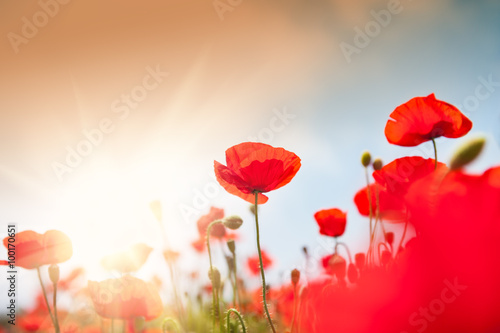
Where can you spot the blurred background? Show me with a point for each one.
(107, 106)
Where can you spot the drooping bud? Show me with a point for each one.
(304, 249)
(54, 273)
(366, 158)
(231, 245)
(377, 164)
(214, 276)
(359, 258)
(295, 275)
(232, 222)
(156, 209)
(352, 273)
(467, 153)
(389, 237)
(252, 209)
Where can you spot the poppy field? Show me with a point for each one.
(440, 274)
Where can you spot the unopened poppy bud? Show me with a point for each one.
(359, 258)
(232, 222)
(467, 153)
(377, 164)
(352, 273)
(389, 237)
(214, 276)
(252, 209)
(54, 273)
(304, 249)
(295, 276)
(231, 246)
(366, 158)
(139, 323)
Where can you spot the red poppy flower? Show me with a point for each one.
(391, 208)
(198, 245)
(253, 263)
(335, 265)
(125, 298)
(256, 167)
(331, 222)
(34, 249)
(218, 230)
(425, 118)
(127, 261)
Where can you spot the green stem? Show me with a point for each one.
(228, 317)
(172, 321)
(236, 295)
(261, 264)
(435, 154)
(45, 295)
(56, 319)
(345, 247)
(214, 298)
(370, 213)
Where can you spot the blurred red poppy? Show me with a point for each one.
(253, 263)
(125, 298)
(398, 175)
(218, 230)
(391, 207)
(256, 167)
(331, 222)
(34, 249)
(128, 261)
(425, 118)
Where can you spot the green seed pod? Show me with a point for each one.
(366, 158)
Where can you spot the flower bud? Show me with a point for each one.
(214, 276)
(389, 237)
(386, 257)
(54, 273)
(295, 276)
(252, 209)
(366, 158)
(377, 164)
(232, 222)
(139, 323)
(231, 246)
(304, 249)
(467, 153)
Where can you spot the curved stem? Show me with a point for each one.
(214, 297)
(261, 264)
(239, 318)
(54, 302)
(171, 321)
(345, 247)
(435, 154)
(45, 296)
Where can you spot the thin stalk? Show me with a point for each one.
(236, 295)
(345, 247)
(370, 212)
(261, 264)
(404, 234)
(239, 318)
(435, 154)
(45, 296)
(214, 298)
(54, 302)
